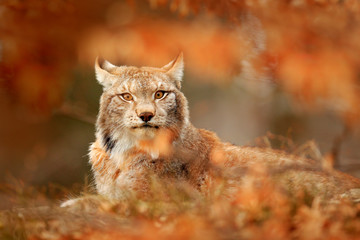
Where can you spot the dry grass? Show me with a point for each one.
(257, 208)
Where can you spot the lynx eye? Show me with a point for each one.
(160, 94)
(126, 96)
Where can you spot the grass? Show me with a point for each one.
(256, 207)
(257, 210)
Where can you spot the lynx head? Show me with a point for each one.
(137, 103)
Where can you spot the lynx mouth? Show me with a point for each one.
(144, 126)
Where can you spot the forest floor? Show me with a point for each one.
(257, 208)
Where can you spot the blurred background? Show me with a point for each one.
(289, 68)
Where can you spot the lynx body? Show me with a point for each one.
(143, 128)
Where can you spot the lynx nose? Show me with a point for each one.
(146, 116)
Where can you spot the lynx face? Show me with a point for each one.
(137, 103)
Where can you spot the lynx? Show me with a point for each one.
(143, 128)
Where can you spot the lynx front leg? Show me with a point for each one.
(105, 170)
(99, 159)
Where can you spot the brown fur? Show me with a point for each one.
(125, 152)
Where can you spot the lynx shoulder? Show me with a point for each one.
(143, 128)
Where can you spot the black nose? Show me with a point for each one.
(146, 116)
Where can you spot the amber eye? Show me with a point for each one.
(159, 94)
(126, 96)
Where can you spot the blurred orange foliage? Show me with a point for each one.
(309, 46)
(212, 50)
(259, 209)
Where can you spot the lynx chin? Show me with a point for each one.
(143, 129)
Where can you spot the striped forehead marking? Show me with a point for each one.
(138, 85)
(124, 86)
(136, 81)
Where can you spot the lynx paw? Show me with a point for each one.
(89, 203)
(70, 202)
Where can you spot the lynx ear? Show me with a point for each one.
(103, 70)
(175, 68)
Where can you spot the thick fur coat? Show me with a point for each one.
(143, 129)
